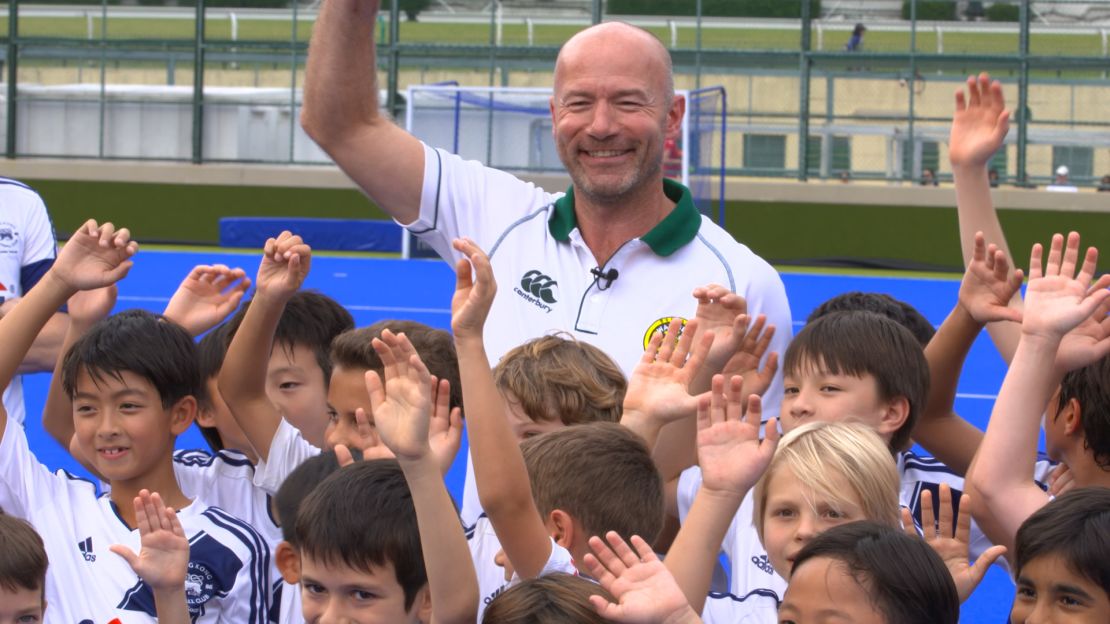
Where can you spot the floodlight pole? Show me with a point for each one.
(392, 73)
(1023, 92)
(595, 12)
(805, 69)
(13, 75)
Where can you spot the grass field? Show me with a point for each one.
(1078, 44)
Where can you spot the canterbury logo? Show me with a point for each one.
(539, 285)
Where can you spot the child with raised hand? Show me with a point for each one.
(979, 127)
(23, 566)
(1064, 329)
(644, 589)
(133, 381)
(163, 561)
(402, 406)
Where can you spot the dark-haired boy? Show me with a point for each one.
(543, 499)
(133, 380)
(23, 566)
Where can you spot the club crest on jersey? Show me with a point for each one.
(660, 327)
(537, 289)
(200, 586)
(9, 236)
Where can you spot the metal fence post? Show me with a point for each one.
(915, 159)
(805, 66)
(198, 86)
(1023, 93)
(595, 12)
(13, 75)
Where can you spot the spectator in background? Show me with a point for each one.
(928, 177)
(855, 43)
(845, 177)
(1104, 184)
(992, 176)
(1062, 184)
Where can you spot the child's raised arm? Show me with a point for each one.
(732, 458)
(207, 296)
(95, 256)
(644, 588)
(242, 380)
(987, 287)
(979, 127)
(1057, 300)
(402, 408)
(499, 470)
(163, 561)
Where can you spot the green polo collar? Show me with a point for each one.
(668, 236)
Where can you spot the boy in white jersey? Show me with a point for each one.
(133, 381)
(22, 572)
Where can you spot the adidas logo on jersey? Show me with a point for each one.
(85, 546)
(537, 289)
(763, 563)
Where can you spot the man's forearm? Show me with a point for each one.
(47, 345)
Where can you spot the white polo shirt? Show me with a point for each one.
(543, 267)
(27, 251)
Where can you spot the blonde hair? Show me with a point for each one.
(818, 452)
(559, 379)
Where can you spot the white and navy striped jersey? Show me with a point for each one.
(229, 568)
(723, 608)
(27, 251)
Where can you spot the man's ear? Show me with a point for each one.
(675, 116)
(1072, 413)
(182, 414)
(288, 562)
(895, 413)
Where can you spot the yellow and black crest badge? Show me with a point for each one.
(660, 327)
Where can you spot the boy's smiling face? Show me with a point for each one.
(338, 593)
(1049, 591)
(121, 425)
(813, 393)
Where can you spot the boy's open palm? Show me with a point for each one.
(402, 405)
(95, 256)
(1057, 299)
(730, 453)
(660, 383)
(644, 588)
(285, 264)
(754, 342)
(980, 122)
(474, 290)
(988, 285)
(164, 558)
(207, 296)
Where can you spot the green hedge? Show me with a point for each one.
(1003, 12)
(933, 10)
(713, 8)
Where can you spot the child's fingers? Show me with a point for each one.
(907, 523)
(621, 549)
(156, 512)
(767, 333)
(670, 339)
(700, 351)
(973, 91)
(141, 520)
(375, 389)
(685, 341)
(963, 520)
(127, 554)
(704, 407)
(979, 569)
(1035, 254)
(603, 607)
(928, 518)
(717, 400)
(605, 556)
(772, 365)
(174, 523)
(944, 524)
(643, 549)
(597, 570)
(343, 455)
(1055, 254)
(961, 100)
(1090, 265)
(754, 411)
(771, 435)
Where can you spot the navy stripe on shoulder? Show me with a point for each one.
(439, 184)
(260, 559)
(11, 182)
(756, 593)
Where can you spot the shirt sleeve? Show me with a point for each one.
(25, 484)
(39, 246)
(288, 450)
(466, 198)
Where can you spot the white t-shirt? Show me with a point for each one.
(723, 608)
(752, 576)
(544, 270)
(229, 569)
(484, 546)
(27, 251)
(288, 450)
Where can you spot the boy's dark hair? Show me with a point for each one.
(865, 343)
(559, 379)
(310, 318)
(210, 354)
(905, 578)
(299, 484)
(23, 560)
(141, 342)
(550, 599)
(880, 303)
(1090, 387)
(352, 349)
(1074, 527)
(601, 474)
(361, 517)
